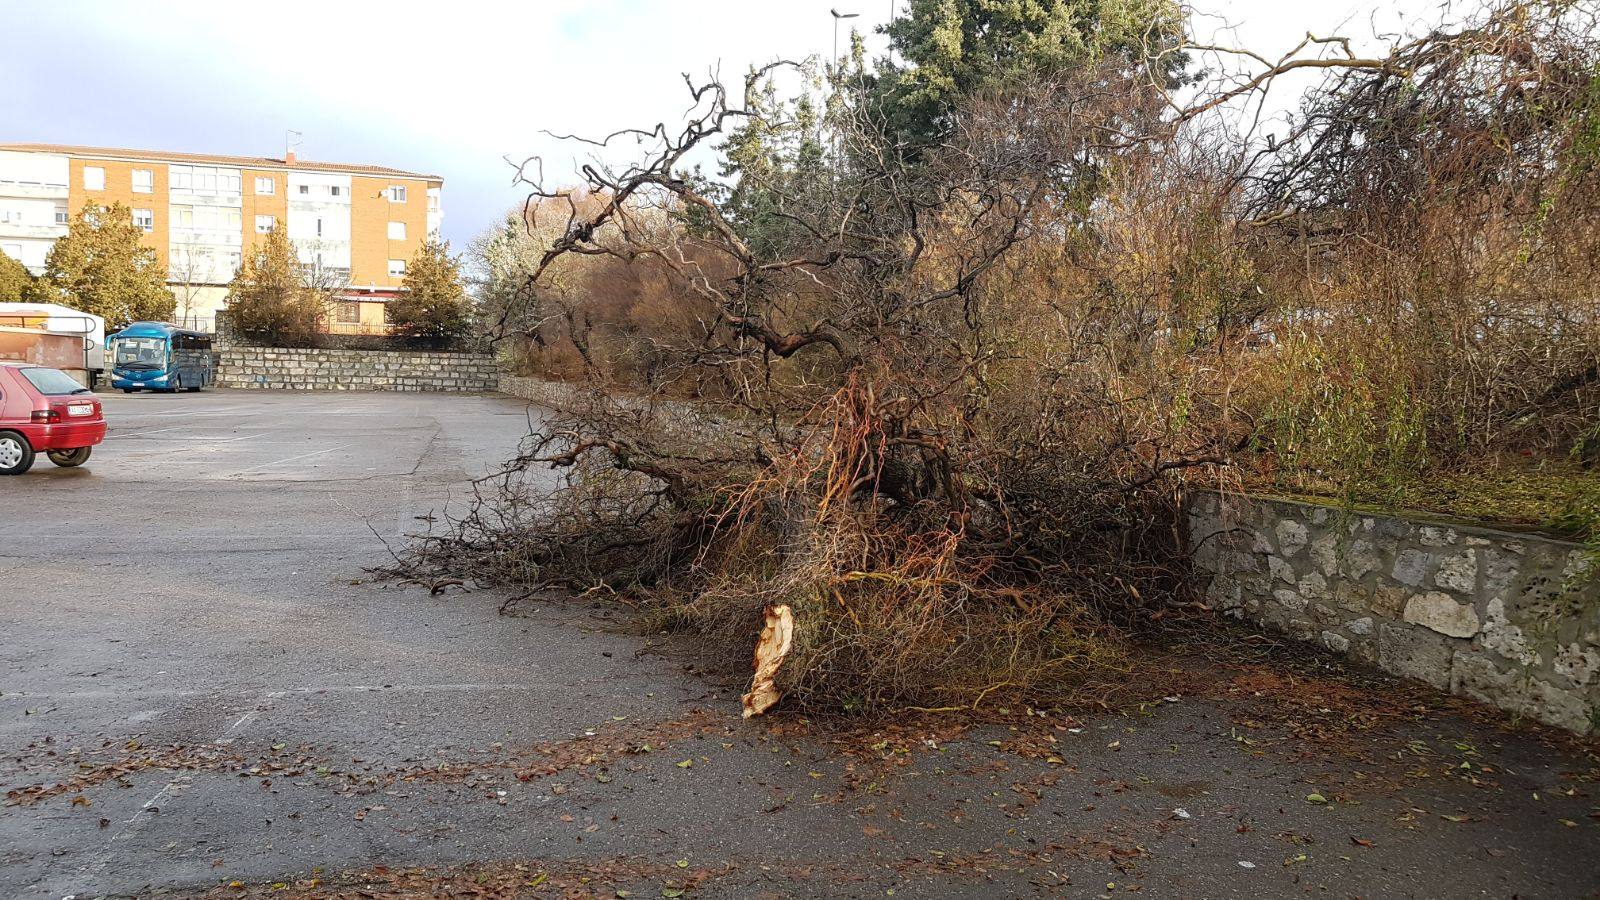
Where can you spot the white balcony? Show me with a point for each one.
(33, 190)
(40, 232)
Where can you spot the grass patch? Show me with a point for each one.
(1556, 498)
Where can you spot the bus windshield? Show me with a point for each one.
(143, 353)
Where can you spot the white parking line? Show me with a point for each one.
(135, 822)
(291, 459)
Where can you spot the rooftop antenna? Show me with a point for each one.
(291, 140)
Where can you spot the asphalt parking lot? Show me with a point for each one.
(202, 689)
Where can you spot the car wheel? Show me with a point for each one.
(67, 459)
(16, 456)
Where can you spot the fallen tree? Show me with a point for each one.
(940, 393)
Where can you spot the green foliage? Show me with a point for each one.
(269, 299)
(16, 283)
(102, 267)
(434, 304)
(958, 48)
(1329, 411)
(775, 163)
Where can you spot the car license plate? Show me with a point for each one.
(80, 410)
(138, 384)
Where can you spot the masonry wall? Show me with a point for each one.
(539, 390)
(270, 368)
(1508, 619)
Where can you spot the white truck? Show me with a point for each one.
(26, 327)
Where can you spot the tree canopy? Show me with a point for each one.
(102, 267)
(435, 303)
(952, 49)
(16, 283)
(269, 297)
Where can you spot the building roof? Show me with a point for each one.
(243, 162)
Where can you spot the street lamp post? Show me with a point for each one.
(836, 17)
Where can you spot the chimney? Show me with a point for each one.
(288, 156)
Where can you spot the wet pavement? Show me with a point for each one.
(202, 689)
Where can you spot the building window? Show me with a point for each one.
(61, 215)
(265, 224)
(397, 231)
(145, 219)
(143, 181)
(305, 189)
(265, 185)
(397, 268)
(94, 178)
(397, 193)
(10, 216)
(347, 312)
(334, 190)
(433, 199)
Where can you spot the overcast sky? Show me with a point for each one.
(448, 88)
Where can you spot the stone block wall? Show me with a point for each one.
(539, 390)
(276, 368)
(1508, 619)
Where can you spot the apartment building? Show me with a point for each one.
(354, 227)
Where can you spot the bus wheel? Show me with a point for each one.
(16, 456)
(176, 384)
(67, 459)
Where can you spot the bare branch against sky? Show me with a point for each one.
(455, 89)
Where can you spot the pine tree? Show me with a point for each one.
(957, 48)
(269, 300)
(16, 283)
(434, 304)
(774, 164)
(101, 267)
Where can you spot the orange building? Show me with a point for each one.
(354, 227)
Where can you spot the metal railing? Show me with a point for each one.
(358, 328)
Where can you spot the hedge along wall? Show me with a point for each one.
(1508, 619)
(273, 368)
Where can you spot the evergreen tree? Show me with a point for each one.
(101, 267)
(434, 304)
(269, 299)
(16, 283)
(957, 48)
(774, 164)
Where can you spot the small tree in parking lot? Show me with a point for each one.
(434, 304)
(269, 298)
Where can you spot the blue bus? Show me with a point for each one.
(156, 356)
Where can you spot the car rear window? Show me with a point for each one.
(52, 382)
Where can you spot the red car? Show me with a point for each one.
(43, 409)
